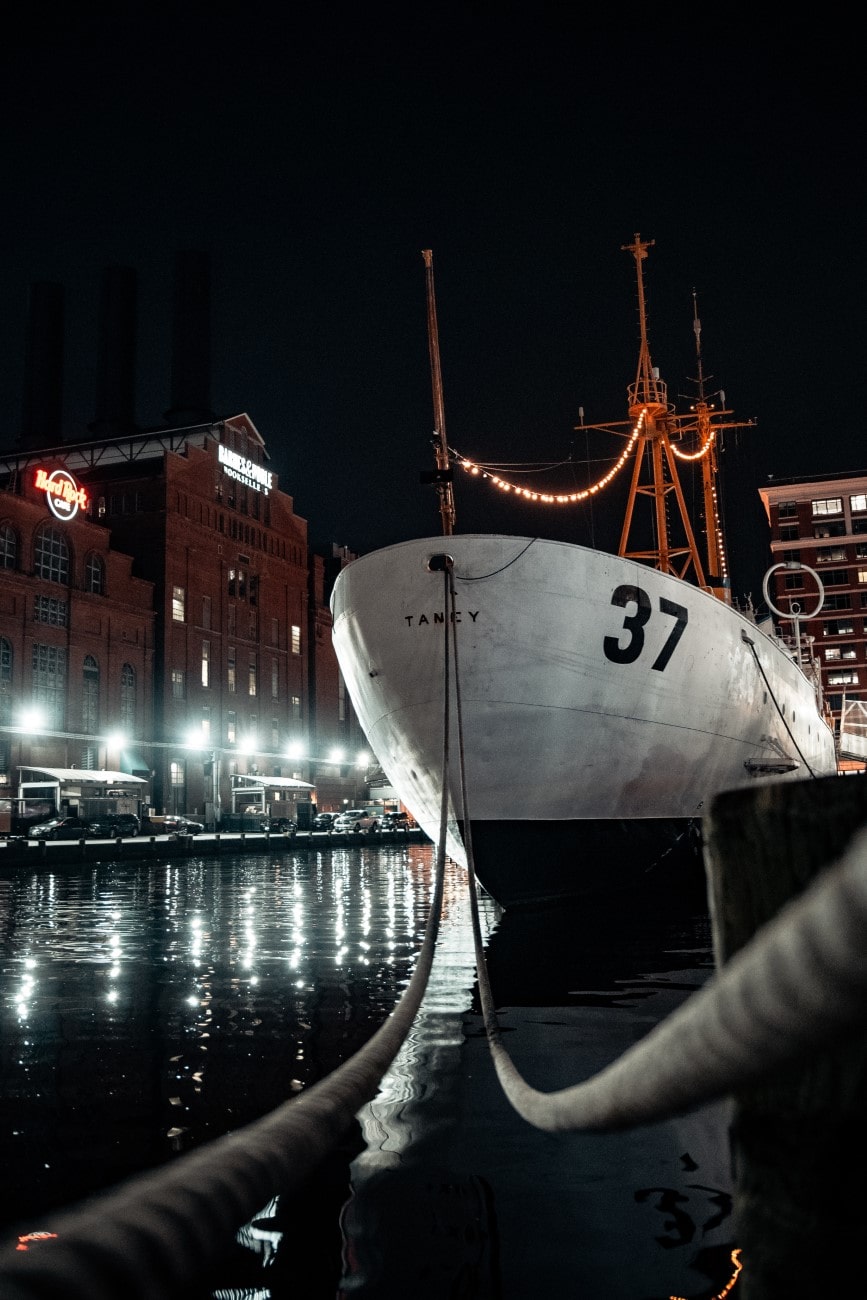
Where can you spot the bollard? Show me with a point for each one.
(799, 1137)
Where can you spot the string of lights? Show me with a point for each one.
(554, 498)
(696, 455)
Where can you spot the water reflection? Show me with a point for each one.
(197, 996)
(455, 1195)
(148, 1008)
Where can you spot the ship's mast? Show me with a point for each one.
(650, 411)
(443, 475)
(707, 431)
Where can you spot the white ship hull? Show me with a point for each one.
(603, 704)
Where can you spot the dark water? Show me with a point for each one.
(148, 1008)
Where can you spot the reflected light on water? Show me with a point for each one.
(185, 987)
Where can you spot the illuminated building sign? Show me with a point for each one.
(244, 470)
(65, 498)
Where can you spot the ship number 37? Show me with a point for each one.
(634, 624)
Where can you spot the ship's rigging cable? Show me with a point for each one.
(800, 983)
(776, 703)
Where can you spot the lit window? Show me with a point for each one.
(48, 609)
(858, 502)
(829, 506)
(296, 639)
(127, 698)
(179, 598)
(94, 575)
(5, 681)
(90, 696)
(231, 727)
(833, 652)
(251, 677)
(51, 555)
(8, 547)
(178, 683)
(49, 681)
(846, 678)
(206, 663)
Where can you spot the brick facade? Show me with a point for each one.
(211, 596)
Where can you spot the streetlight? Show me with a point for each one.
(115, 743)
(31, 719)
(199, 740)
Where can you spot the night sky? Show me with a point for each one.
(313, 159)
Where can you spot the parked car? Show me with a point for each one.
(324, 821)
(187, 826)
(172, 824)
(112, 825)
(395, 821)
(60, 828)
(356, 819)
(280, 825)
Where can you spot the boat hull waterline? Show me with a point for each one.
(604, 704)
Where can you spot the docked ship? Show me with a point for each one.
(561, 715)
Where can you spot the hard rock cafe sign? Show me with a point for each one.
(64, 496)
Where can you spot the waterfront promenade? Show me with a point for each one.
(204, 845)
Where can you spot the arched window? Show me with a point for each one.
(127, 699)
(5, 681)
(8, 547)
(49, 682)
(178, 783)
(51, 554)
(94, 575)
(90, 696)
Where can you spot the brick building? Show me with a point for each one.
(179, 603)
(76, 630)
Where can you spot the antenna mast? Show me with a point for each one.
(650, 410)
(443, 476)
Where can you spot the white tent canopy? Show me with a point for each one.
(78, 776)
(274, 782)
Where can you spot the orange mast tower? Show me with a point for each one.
(660, 429)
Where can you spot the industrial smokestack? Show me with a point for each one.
(115, 394)
(191, 342)
(43, 368)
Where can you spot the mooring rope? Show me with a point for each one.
(795, 986)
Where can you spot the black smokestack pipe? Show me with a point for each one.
(43, 368)
(191, 342)
(115, 385)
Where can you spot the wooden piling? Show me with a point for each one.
(799, 1138)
